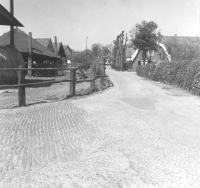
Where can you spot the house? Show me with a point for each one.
(160, 55)
(59, 50)
(68, 53)
(40, 55)
(182, 47)
(47, 42)
(129, 54)
(6, 18)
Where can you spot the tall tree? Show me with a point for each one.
(145, 37)
(110, 47)
(96, 49)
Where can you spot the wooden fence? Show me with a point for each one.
(22, 85)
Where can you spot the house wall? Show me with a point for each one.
(158, 56)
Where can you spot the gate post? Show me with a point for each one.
(72, 83)
(92, 83)
(21, 89)
(103, 74)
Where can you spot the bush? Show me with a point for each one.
(183, 74)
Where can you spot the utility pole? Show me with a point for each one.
(199, 32)
(86, 50)
(11, 27)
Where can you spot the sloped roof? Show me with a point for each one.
(68, 51)
(129, 52)
(67, 47)
(160, 45)
(44, 41)
(47, 43)
(21, 41)
(60, 49)
(6, 18)
(179, 38)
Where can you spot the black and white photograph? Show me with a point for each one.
(99, 93)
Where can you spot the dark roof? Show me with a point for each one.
(44, 41)
(6, 18)
(47, 43)
(21, 42)
(60, 49)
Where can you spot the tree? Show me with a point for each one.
(105, 51)
(96, 49)
(145, 37)
(110, 47)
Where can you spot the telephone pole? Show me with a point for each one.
(86, 50)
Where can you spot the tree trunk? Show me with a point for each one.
(144, 55)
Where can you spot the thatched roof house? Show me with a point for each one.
(182, 47)
(6, 18)
(21, 41)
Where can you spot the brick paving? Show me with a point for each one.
(35, 137)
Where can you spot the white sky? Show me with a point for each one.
(102, 20)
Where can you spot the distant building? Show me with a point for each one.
(41, 56)
(47, 42)
(129, 52)
(61, 53)
(182, 47)
(160, 55)
(68, 53)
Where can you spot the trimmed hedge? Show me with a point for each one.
(182, 74)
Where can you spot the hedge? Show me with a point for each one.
(185, 74)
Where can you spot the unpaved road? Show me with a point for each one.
(151, 135)
(138, 133)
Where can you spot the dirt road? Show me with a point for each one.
(151, 134)
(138, 133)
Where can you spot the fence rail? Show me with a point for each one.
(73, 81)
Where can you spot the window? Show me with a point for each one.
(139, 62)
(150, 52)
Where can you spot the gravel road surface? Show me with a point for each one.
(138, 133)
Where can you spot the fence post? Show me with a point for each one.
(102, 78)
(92, 83)
(72, 83)
(21, 89)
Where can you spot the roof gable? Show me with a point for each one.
(160, 45)
(68, 50)
(60, 49)
(47, 43)
(21, 41)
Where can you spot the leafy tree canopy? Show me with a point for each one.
(145, 36)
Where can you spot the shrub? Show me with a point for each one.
(183, 74)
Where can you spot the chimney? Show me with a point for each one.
(55, 39)
(11, 27)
